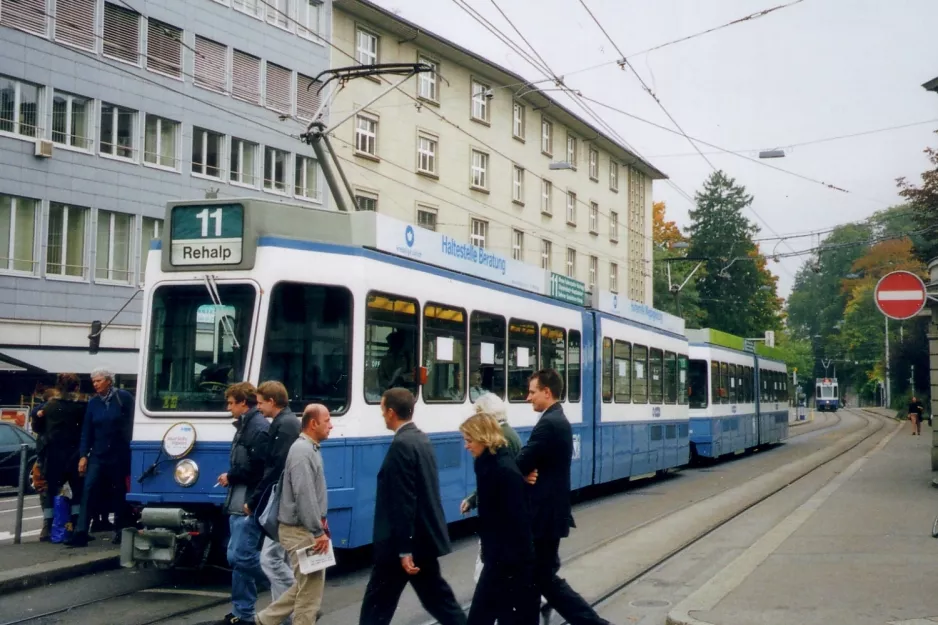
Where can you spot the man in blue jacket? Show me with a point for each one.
(104, 454)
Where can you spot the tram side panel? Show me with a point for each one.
(723, 416)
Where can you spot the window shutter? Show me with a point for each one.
(164, 48)
(74, 22)
(307, 96)
(246, 77)
(211, 64)
(279, 80)
(27, 15)
(121, 33)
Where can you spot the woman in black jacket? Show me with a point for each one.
(505, 591)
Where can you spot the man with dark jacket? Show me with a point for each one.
(410, 529)
(248, 450)
(274, 403)
(549, 451)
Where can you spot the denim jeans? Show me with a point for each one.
(277, 567)
(105, 489)
(245, 562)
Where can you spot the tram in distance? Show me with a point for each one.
(826, 394)
(341, 306)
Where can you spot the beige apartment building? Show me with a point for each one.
(467, 151)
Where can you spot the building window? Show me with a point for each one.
(427, 85)
(28, 15)
(121, 34)
(19, 107)
(480, 168)
(251, 7)
(613, 175)
(547, 137)
(614, 277)
(594, 164)
(571, 208)
(207, 148)
(164, 48)
(517, 245)
(426, 154)
(594, 218)
(159, 141)
(65, 255)
(479, 232)
(279, 86)
(112, 248)
(71, 120)
(613, 226)
(246, 77)
(211, 65)
(306, 180)
(571, 262)
(480, 101)
(150, 229)
(366, 47)
(243, 159)
(366, 135)
(571, 150)
(275, 169)
(547, 193)
(547, 253)
(366, 201)
(18, 233)
(517, 120)
(309, 18)
(517, 184)
(307, 97)
(426, 217)
(118, 134)
(594, 269)
(74, 23)
(278, 13)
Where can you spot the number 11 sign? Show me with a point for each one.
(207, 235)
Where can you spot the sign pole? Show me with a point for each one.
(888, 389)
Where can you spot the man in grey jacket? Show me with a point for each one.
(302, 517)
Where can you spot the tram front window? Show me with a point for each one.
(197, 348)
(697, 383)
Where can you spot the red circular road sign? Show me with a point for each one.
(900, 295)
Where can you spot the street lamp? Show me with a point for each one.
(772, 154)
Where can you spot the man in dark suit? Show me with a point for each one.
(549, 452)
(410, 529)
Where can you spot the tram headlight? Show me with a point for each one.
(186, 472)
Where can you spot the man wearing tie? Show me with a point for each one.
(410, 529)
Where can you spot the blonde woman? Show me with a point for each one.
(505, 590)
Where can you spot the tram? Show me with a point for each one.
(826, 394)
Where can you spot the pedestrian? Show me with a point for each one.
(37, 427)
(549, 452)
(59, 425)
(302, 520)
(273, 403)
(916, 411)
(409, 528)
(104, 455)
(248, 450)
(505, 590)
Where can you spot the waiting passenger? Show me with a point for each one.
(397, 365)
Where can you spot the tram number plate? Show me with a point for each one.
(207, 235)
(656, 411)
(576, 446)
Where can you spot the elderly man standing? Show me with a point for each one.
(104, 454)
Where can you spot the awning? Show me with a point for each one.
(66, 360)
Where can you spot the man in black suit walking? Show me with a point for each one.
(549, 451)
(410, 529)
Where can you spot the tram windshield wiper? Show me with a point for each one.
(212, 289)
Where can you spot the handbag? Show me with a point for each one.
(61, 519)
(269, 511)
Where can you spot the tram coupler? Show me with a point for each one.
(165, 532)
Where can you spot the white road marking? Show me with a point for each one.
(194, 593)
(893, 296)
(9, 535)
(24, 508)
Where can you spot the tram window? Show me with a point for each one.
(486, 355)
(607, 370)
(197, 348)
(731, 376)
(724, 383)
(621, 372)
(670, 378)
(655, 376)
(683, 382)
(697, 383)
(740, 384)
(444, 353)
(391, 343)
(573, 366)
(747, 385)
(554, 353)
(522, 357)
(715, 388)
(639, 374)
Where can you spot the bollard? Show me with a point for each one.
(20, 495)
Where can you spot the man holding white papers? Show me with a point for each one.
(302, 517)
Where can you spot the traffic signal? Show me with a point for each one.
(94, 339)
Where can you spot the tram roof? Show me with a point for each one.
(718, 338)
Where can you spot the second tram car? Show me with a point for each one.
(826, 395)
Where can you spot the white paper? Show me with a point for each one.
(311, 562)
(523, 359)
(683, 376)
(488, 353)
(732, 382)
(639, 371)
(444, 349)
(623, 368)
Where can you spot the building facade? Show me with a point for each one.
(473, 151)
(108, 110)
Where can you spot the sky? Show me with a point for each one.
(814, 70)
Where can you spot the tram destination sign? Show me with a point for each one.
(209, 234)
(566, 289)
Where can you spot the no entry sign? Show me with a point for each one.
(900, 295)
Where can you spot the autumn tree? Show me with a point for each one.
(924, 202)
(663, 232)
(684, 303)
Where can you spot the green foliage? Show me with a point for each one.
(923, 201)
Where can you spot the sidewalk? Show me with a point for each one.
(859, 551)
(32, 563)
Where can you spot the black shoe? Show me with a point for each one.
(116, 538)
(231, 619)
(78, 539)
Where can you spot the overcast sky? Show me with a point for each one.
(818, 69)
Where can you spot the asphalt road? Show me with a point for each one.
(32, 517)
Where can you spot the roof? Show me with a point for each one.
(932, 85)
(433, 43)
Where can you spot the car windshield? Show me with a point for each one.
(197, 347)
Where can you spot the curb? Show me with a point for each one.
(49, 572)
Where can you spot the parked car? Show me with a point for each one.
(11, 437)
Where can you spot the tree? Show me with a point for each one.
(665, 234)
(924, 203)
